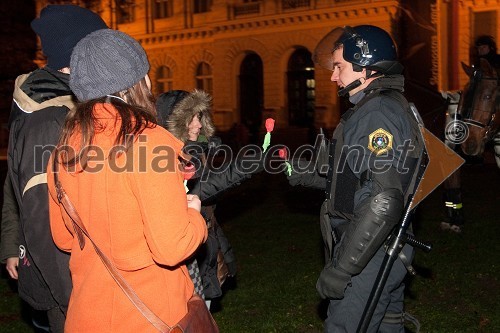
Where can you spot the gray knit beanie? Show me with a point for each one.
(106, 62)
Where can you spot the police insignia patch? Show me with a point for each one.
(380, 141)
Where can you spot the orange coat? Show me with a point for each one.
(136, 211)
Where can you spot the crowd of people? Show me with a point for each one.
(92, 111)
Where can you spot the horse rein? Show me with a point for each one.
(476, 78)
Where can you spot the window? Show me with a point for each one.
(246, 7)
(291, 4)
(163, 80)
(301, 88)
(125, 11)
(252, 94)
(202, 6)
(204, 77)
(163, 9)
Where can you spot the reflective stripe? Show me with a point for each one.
(35, 180)
(401, 318)
(394, 318)
(453, 205)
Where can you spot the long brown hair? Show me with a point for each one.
(136, 114)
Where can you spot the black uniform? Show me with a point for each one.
(373, 158)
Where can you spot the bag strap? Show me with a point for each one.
(80, 231)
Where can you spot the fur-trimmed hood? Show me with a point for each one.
(177, 108)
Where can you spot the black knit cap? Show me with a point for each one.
(485, 40)
(61, 27)
(165, 104)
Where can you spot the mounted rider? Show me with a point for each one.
(486, 48)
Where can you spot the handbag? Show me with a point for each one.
(222, 269)
(198, 317)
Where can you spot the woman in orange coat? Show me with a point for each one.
(121, 172)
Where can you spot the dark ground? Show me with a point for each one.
(273, 228)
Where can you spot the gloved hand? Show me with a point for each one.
(332, 282)
(300, 168)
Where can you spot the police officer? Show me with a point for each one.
(487, 48)
(372, 162)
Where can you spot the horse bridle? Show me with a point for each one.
(466, 117)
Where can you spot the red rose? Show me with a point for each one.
(283, 153)
(189, 171)
(269, 124)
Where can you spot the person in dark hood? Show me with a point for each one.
(367, 176)
(486, 48)
(187, 115)
(41, 101)
(190, 119)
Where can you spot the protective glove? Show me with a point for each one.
(332, 282)
(300, 169)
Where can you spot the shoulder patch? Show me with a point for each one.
(380, 141)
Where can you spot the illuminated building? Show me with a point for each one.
(254, 57)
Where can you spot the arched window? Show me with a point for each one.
(252, 94)
(301, 88)
(163, 80)
(204, 77)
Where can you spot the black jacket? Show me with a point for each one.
(213, 178)
(207, 185)
(41, 101)
(361, 122)
(9, 242)
(176, 110)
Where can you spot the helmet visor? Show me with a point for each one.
(323, 53)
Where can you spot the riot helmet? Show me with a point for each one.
(364, 46)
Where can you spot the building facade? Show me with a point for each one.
(254, 56)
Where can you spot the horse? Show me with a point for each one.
(471, 122)
(479, 108)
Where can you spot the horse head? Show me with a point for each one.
(479, 107)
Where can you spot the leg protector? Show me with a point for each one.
(454, 211)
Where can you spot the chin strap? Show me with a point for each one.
(344, 91)
(353, 85)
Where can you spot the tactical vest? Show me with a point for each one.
(340, 190)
